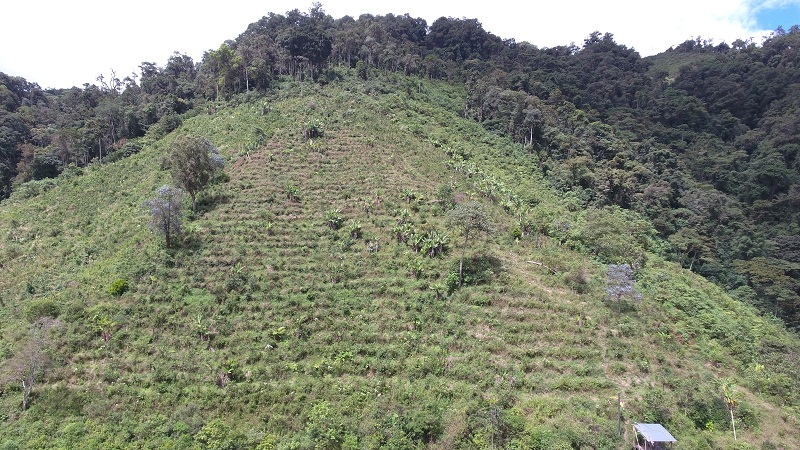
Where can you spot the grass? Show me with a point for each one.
(296, 333)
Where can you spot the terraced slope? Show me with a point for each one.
(269, 326)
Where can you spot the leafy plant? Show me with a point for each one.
(312, 129)
(333, 218)
(105, 325)
(416, 268)
(409, 195)
(354, 229)
(434, 243)
(292, 193)
(118, 287)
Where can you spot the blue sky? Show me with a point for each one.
(784, 14)
(59, 43)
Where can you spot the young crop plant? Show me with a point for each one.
(434, 243)
(333, 218)
(312, 129)
(416, 268)
(409, 195)
(105, 326)
(292, 193)
(354, 229)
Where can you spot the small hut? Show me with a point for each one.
(651, 436)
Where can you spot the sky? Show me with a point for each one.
(59, 43)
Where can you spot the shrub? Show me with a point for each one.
(46, 307)
(451, 283)
(33, 188)
(118, 287)
(218, 435)
(578, 279)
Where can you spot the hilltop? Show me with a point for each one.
(294, 315)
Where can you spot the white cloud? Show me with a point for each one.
(60, 44)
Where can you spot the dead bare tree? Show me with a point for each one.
(31, 360)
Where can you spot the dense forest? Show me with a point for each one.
(702, 139)
(376, 232)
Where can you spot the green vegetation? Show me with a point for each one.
(193, 162)
(269, 326)
(166, 210)
(467, 217)
(320, 294)
(118, 287)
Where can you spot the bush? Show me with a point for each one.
(167, 123)
(41, 308)
(130, 148)
(451, 283)
(578, 279)
(218, 435)
(33, 188)
(118, 287)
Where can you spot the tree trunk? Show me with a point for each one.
(461, 262)
(26, 392)
(733, 425)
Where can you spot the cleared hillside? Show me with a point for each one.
(268, 326)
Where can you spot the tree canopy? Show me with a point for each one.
(468, 217)
(193, 161)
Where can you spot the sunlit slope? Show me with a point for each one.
(291, 314)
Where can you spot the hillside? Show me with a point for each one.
(702, 139)
(268, 327)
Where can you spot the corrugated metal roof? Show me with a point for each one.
(654, 432)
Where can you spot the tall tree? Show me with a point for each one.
(308, 37)
(468, 217)
(193, 161)
(165, 212)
